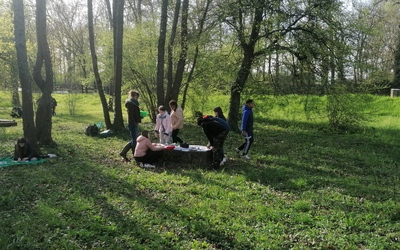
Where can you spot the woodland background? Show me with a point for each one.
(193, 49)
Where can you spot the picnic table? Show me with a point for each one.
(195, 154)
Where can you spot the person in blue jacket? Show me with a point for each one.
(247, 129)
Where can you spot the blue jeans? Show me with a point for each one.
(134, 131)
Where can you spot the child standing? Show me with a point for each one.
(163, 127)
(176, 120)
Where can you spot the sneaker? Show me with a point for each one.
(148, 166)
(223, 160)
(124, 158)
(239, 152)
(246, 157)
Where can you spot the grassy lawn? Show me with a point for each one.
(302, 189)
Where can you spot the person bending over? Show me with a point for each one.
(216, 134)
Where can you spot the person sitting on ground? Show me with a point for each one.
(23, 151)
(163, 127)
(216, 134)
(146, 154)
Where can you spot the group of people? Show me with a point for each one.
(168, 126)
(216, 129)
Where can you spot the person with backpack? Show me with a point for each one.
(134, 118)
(216, 133)
(219, 115)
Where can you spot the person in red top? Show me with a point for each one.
(146, 154)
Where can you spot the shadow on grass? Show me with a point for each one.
(304, 159)
(78, 205)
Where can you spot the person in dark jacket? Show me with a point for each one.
(23, 151)
(216, 134)
(132, 107)
(247, 129)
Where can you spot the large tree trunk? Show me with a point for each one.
(25, 79)
(170, 49)
(396, 69)
(184, 48)
(237, 87)
(244, 70)
(118, 41)
(44, 112)
(161, 52)
(99, 84)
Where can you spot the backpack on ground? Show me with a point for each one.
(92, 130)
(16, 112)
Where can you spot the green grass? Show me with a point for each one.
(303, 188)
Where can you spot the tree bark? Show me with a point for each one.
(183, 55)
(44, 112)
(248, 48)
(161, 52)
(99, 83)
(396, 66)
(24, 76)
(118, 42)
(170, 67)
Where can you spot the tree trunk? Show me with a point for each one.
(396, 69)
(237, 87)
(109, 12)
(99, 84)
(244, 70)
(184, 48)
(170, 49)
(44, 112)
(161, 52)
(23, 69)
(118, 42)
